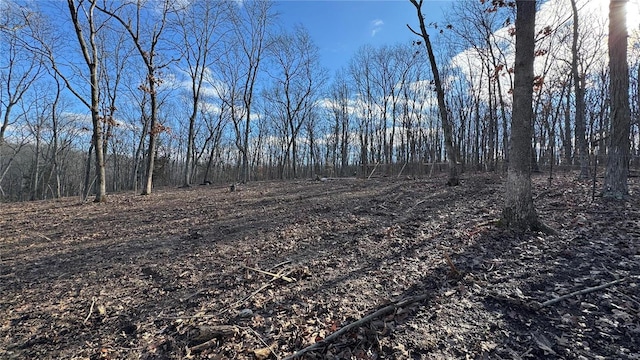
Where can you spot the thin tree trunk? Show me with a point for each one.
(87, 174)
(91, 57)
(568, 147)
(454, 178)
(578, 83)
(36, 165)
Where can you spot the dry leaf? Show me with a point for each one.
(543, 343)
(263, 353)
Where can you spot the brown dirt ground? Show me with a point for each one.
(175, 275)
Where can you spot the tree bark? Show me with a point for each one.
(519, 212)
(615, 181)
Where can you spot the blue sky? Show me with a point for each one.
(339, 28)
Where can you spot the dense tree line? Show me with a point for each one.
(100, 96)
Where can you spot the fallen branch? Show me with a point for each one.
(205, 345)
(372, 171)
(206, 333)
(581, 292)
(211, 335)
(193, 295)
(279, 264)
(382, 312)
(401, 170)
(271, 347)
(274, 276)
(43, 236)
(240, 302)
(93, 302)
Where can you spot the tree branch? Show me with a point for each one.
(581, 292)
(384, 311)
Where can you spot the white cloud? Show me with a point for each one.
(376, 26)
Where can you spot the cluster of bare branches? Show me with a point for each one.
(132, 95)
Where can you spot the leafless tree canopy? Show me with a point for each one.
(101, 96)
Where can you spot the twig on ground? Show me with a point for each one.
(270, 347)
(280, 264)
(454, 270)
(275, 276)
(239, 302)
(93, 302)
(205, 345)
(581, 292)
(372, 171)
(628, 297)
(43, 236)
(382, 312)
(401, 170)
(193, 295)
(491, 222)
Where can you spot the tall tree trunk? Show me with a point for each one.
(454, 178)
(566, 141)
(615, 180)
(55, 166)
(90, 53)
(154, 131)
(578, 83)
(190, 140)
(35, 175)
(519, 212)
(87, 174)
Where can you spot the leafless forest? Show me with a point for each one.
(101, 97)
(471, 194)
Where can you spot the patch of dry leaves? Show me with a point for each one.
(275, 267)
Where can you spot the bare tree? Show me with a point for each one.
(86, 27)
(20, 71)
(197, 25)
(519, 212)
(360, 69)
(215, 122)
(478, 23)
(244, 55)
(297, 80)
(339, 95)
(115, 61)
(579, 84)
(615, 181)
(55, 137)
(454, 178)
(82, 15)
(146, 37)
(36, 122)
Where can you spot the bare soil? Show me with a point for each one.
(265, 271)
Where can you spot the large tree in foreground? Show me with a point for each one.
(519, 212)
(615, 179)
(454, 178)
